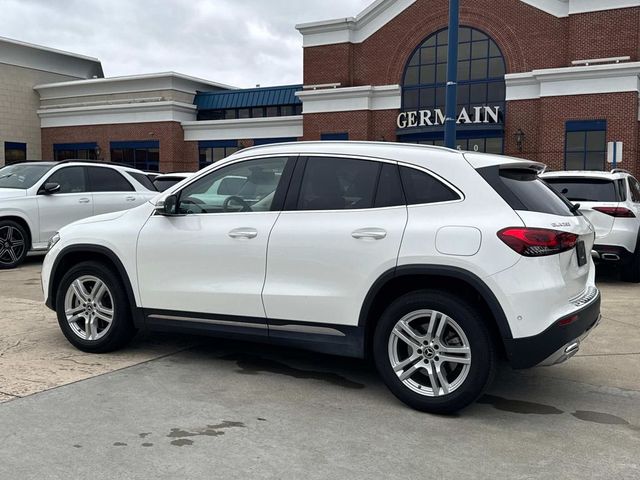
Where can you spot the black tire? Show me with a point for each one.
(14, 244)
(121, 330)
(482, 350)
(630, 272)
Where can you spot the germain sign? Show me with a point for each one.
(425, 118)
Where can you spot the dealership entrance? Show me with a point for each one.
(481, 93)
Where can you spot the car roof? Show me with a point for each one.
(406, 152)
(175, 174)
(118, 166)
(616, 175)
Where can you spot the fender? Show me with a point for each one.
(440, 271)
(33, 230)
(136, 313)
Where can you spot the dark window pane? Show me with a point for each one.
(428, 74)
(257, 112)
(105, 179)
(496, 68)
(337, 184)
(575, 141)
(442, 54)
(464, 51)
(412, 76)
(494, 51)
(286, 110)
(230, 114)
(478, 35)
(443, 37)
(463, 71)
(218, 154)
(479, 69)
(441, 96)
(411, 99)
(426, 97)
(595, 161)
(496, 92)
(415, 59)
(494, 145)
(420, 188)
(463, 94)
(117, 155)
(480, 49)
(70, 179)
(596, 141)
(464, 34)
(272, 111)
(575, 161)
(441, 73)
(479, 93)
(389, 192)
(427, 55)
(244, 113)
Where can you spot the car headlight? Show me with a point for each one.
(53, 240)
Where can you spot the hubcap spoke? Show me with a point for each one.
(432, 378)
(401, 333)
(455, 350)
(74, 310)
(79, 290)
(74, 318)
(454, 359)
(410, 371)
(405, 363)
(98, 291)
(106, 317)
(441, 378)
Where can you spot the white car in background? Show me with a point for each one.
(39, 198)
(611, 202)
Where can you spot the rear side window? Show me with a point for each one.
(585, 189)
(634, 186)
(421, 188)
(104, 179)
(338, 184)
(522, 189)
(143, 179)
(390, 193)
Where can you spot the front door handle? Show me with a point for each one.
(369, 234)
(84, 200)
(246, 233)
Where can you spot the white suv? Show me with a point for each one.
(611, 202)
(432, 260)
(39, 198)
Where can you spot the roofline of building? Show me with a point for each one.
(255, 89)
(357, 29)
(48, 49)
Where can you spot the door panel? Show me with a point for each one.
(212, 258)
(72, 201)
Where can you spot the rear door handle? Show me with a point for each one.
(130, 198)
(247, 233)
(84, 200)
(369, 233)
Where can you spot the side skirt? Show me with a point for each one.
(332, 339)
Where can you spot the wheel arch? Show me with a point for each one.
(406, 278)
(24, 223)
(74, 254)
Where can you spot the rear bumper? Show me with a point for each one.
(611, 254)
(557, 343)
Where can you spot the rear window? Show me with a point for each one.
(143, 179)
(165, 183)
(421, 188)
(585, 189)
(522, 189)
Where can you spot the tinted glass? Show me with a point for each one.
(534, 194)
(70, 179)
(143, 179)
(242, 187)
(338, 183)
(389, 192)
(635, 189)
(166, 182)
(104, 179)
(22, 176)
(421, 188)
(585, 189)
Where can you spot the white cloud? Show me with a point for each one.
(238, 42)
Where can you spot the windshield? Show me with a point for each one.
(22, 176)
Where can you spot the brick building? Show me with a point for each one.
(549, 80)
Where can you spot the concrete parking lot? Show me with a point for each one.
(178, 406)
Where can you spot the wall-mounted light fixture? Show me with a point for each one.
(519, 139)
(98, 152)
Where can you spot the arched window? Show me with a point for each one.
(481, 91)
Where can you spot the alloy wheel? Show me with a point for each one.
(12, 245)
(88, 307)
(429, 352)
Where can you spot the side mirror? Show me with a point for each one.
(168, 207)
(50, 188)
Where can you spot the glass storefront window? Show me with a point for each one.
(585, 145)
(212, 152)
(14, 152)
(143, 155)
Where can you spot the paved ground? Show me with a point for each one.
(206, 409)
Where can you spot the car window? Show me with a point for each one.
(338, 184)
(105, 179)
(162, 184)
(70, 179)
(143, 179)
(390, 192)
(635, 189)
(529, 193)
(421, 188)
(585, 189)
(248, 186)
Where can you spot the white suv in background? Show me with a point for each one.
(39, 198)
(611, 202)
(432, 260)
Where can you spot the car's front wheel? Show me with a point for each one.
(434, 351)
(93, 309)
(13, 244)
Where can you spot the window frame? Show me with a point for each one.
(584, 127)
(51, 174)
(281, 190)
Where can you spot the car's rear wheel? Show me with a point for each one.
(13, 244)
(93, 309)
(434, 351)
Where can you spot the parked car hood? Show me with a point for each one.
(12, 192)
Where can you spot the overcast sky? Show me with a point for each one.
(237, 42)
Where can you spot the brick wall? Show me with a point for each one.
(175, 153)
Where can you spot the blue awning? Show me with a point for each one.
(248, 98)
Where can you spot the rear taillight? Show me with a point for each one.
(618, 212)
(537, 242)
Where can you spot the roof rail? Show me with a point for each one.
(620, 170)
(94, 162)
